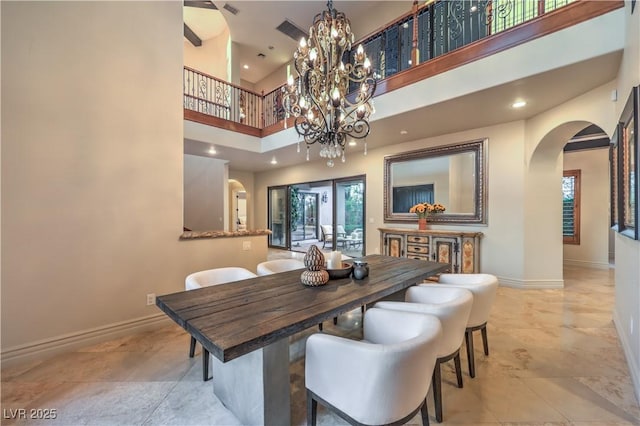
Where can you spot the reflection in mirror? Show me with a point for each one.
(238, 203)
(451, 175)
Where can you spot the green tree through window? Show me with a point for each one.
(353, 197)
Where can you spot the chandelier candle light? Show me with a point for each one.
(319, 100)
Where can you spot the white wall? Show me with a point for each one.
(593, 250)
(212, 57)
(502, 240)
(522, 242)
(204, 185)
(627, 312)
(92, 172)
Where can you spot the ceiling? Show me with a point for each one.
(253, 27)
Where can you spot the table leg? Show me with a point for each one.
(255, 386)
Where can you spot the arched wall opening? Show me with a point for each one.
(545, 252)
(238, 206)
(545, 136)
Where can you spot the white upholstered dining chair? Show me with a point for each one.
(452, 307)
(278, 265)
(484, 288)
(208, 278)
(383, 379)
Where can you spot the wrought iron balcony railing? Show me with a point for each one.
(404, 49)
(211, 96)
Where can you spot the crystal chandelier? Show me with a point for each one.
(324, 110)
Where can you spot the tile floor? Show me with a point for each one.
(555, 360)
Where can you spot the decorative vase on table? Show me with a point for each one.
(422, 223)
(315, 275)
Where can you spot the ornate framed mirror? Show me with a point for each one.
(628, 167)
(452, 175)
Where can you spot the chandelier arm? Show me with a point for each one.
(358, 130)
(310, 135)
(315, 102)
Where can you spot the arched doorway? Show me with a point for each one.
(238, 209)
(545, 250)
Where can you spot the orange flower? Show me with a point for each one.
(423, 210)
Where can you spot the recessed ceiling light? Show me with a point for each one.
(245, 66)
(353, 143)
(212, 150)
(274, 161)
(403, 132)
(518, 104)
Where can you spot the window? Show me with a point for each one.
(571, 207)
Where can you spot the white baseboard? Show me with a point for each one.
(586, 264)
(48, 347)
(634, 368)
(530, 284)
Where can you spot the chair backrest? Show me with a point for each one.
(278, 265)
(484, 288)
(451, 305)
(327, 232)
(340, 231)
(382, 379)
(216, 276)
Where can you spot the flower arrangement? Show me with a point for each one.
(424, 210)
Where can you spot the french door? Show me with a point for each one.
(329, 214)
(278, 207)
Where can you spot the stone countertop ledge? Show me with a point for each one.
(192, 235)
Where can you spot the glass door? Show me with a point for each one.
(328, 214)
(349, 216)
(304, 213)
(278, 217)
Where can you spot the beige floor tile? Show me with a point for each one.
(618, 390)
(511, 400)
(601, 423)
(191, 403)
(578, 402)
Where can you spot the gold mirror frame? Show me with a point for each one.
(479, 216)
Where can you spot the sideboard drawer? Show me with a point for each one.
(417, 239)
(418, 249)
(418, 256)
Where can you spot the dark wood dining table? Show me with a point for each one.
(246, 324)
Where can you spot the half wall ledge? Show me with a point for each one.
(193, 235)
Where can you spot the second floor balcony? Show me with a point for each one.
(428, 50)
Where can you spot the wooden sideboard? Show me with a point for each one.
(459, 249)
